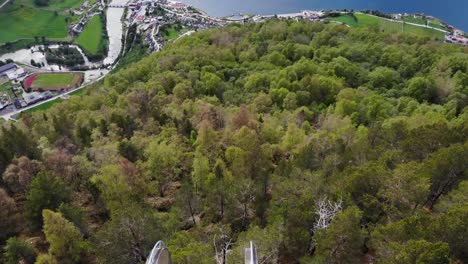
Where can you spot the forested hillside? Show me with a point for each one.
(320, 143)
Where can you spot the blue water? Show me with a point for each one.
(454, 12)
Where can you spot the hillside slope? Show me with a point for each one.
(320, 143)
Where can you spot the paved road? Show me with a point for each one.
(188, 33)
(153, 33)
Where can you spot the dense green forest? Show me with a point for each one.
(320, 143)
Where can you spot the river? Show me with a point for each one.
(454, 12)
(114, 30)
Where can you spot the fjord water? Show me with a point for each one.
(454, 12)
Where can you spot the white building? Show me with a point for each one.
(31, 98)
(16, 74)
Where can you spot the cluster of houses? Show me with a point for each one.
(151, 14)
(458, 39)
(76, 28)
(305, 14)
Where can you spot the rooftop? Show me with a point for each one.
(7, 67)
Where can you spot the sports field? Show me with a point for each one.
(364, 20)
(53, 81)
(91, 37)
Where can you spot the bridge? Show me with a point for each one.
(117, 6)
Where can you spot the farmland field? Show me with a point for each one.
(53, 81)
(28, 22)
(91, 37)
(364, 20)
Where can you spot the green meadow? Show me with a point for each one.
(364, 20)
(25, 20)
(92, 36)
(422, 21)
(170, 33)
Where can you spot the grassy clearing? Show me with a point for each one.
(416, 20)
(27, 22)
(54, 5)
(91, 37)
(65, 4)
(364, 20)
(436, 24)
(56, 80)
(346, 19)
(170, 33)
(423, 21)
(5, 88)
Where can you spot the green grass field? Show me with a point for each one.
(91, 37)
(56, 80)
(346, 19)
(4, 88)
(416, 20)
(54, 5)
(27, 22)
(364, 20)
(422, 21)
(170, 33)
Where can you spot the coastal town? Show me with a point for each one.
(159, 22)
